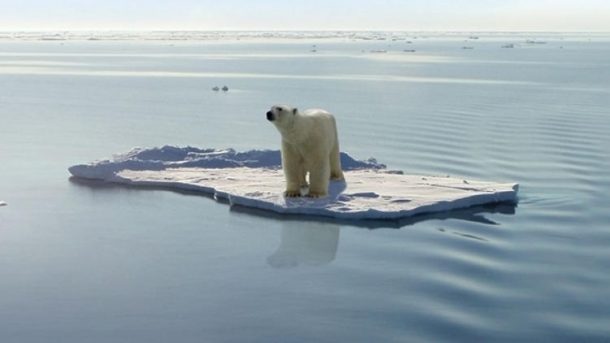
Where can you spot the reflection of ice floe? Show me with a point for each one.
(508, 46)
(254, 179)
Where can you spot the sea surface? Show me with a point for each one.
(88, 262)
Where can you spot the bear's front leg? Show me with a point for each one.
(292, 164)
(319, 176)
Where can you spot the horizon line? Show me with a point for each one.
(305, 30)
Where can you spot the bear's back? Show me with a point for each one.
(316, 112)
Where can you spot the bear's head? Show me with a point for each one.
(281, 115)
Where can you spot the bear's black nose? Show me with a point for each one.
(269, 116)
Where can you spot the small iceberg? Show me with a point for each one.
(254, 179)
(216, 88)
(225, 88)
(531, 41)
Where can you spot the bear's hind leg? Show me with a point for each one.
(336, 173)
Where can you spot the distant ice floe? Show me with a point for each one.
(174, 37)
(3, 203)
(531, 41)
(254, 179)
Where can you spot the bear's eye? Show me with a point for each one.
(279, 109)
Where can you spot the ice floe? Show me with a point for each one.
(254, 179)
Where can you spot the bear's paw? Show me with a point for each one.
(292, 194)
(315, 194)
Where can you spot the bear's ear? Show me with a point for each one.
(294, 111)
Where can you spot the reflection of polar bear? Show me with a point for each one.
(309, 144)
(310, 244)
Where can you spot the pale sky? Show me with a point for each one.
(426, 15)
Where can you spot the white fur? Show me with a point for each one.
(309, 145)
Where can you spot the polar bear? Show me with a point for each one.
(309, 145)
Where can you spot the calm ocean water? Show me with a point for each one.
(90, 263)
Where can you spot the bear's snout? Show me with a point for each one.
(269, 116)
